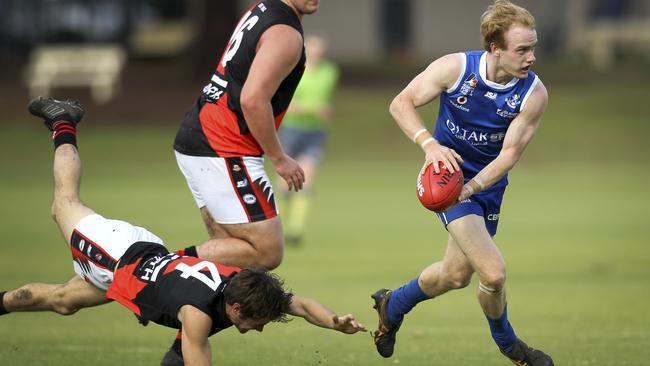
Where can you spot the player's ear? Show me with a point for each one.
(236, 307)
(494, 49)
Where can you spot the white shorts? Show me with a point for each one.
(97, 244)
(235, 190)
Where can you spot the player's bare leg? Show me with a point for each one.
(470, 234)
(477, 244)
(61, 117)
(454, 271)
(67, 208)
(255, 244)
(64, 299)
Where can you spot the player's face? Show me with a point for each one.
(519, 56)
(304, 6)
(243, 325)
(251, 324)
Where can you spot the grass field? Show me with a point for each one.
(573, 231)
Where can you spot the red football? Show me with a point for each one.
(438, 192)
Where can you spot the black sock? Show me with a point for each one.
(178, 345)
(64, 133)
(2, 306)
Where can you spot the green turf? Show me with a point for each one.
(573, 232)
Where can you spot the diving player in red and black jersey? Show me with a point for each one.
(222, 139)
(115, 260)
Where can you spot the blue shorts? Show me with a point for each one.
(299, 143)
(486, 204)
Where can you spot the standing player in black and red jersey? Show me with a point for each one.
(115, 260)
(220, 144)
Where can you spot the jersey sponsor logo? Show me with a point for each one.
(242, 183)
(506, 114)
(458, 106)
(236, 168)
(262, 7)
(473, 137)
(249, 199)
(491, 95)
(493, 217)
(469, 85)
(462, 99)
(513, 101)
(151, 268)
(497, 137)
(215, 89)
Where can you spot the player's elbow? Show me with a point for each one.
(509, 158)
(252, 103)
(396, 106)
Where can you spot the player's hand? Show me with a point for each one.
(347, 324)
(435, 153)
(291, 172)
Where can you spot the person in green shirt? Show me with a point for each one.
(304, 130)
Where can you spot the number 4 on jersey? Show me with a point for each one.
(195, 271)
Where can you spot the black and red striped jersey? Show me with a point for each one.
(215, 126)
(154, 284)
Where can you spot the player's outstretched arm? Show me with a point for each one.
(439, 76)
(196, 329)
(519, 134)
(317, 314)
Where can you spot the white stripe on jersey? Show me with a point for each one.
(219, 81)
(530, 90)
(463, 60)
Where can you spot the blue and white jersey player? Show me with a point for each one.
(491, 104)
(475, 115)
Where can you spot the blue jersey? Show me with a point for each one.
(475, 114)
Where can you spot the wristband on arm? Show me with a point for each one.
(423, 137)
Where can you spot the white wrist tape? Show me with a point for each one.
(415, 137)
(479, 182)
(427, 141)
(468, 187)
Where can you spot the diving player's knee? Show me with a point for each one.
(62, 303)
(61, 206)
(270, 256)
(269, 247)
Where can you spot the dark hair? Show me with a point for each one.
(260, 294)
